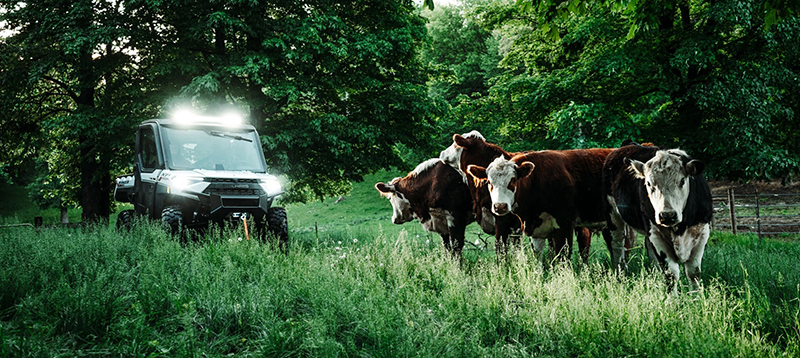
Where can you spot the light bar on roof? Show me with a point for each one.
(185, 116)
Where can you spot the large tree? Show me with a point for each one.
(69, 76)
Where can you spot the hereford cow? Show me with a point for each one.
(549, 191)
(662, 195)
(437, 195)
(472, 149)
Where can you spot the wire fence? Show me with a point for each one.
(760, 213)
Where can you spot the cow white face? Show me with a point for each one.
(666, 178)
(502, 175)
(401, 207)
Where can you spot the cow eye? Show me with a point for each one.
(683, 181)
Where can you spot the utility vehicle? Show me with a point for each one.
(196, 171)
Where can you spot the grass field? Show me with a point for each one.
(353, 284)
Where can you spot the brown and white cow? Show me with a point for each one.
(437, 195)
(662, 194)
(473, 149)
(549, 191)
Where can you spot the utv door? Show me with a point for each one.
(146, 168)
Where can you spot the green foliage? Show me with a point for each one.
(704, 77)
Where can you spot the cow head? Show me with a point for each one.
(666, 177)
(502, 175)
(452, 154)
(401, 207)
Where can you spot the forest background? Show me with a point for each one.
(341, 89)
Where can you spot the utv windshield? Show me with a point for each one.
(212, 149)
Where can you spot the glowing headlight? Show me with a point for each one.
(231, 119)
(184, 115)
(181, 183)
(271, 186)
(188, 116)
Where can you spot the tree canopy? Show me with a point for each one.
(332, 90)
(341, 88)
(707, 77)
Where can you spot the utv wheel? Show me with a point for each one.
(278, 225)
(172, 219)
(125, 219)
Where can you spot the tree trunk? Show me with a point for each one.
(64, 215)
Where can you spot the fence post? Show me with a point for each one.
(732, 208)
(758, 216)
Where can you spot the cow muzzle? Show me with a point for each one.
(500, 209)
(668, 218)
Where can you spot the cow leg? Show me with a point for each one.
(515, 231)
(692, 266)
(537, 244)
(630, 241)
(584, 237)
(607, 238)
(672, 275)
(503, 226)
(652, 253)
(561, 239)
(668, 265)
(618, 245)
(446, 242)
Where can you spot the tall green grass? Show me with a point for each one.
(353, 284)
(348, 293)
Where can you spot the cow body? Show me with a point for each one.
(549, 191)
(472, 149)
(662, 195)
(437, 195)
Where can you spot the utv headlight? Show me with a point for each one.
(272, 187)
(180, 183)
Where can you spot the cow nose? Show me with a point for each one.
(668, 217)
(500, 208)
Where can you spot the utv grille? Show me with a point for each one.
(231, 180)
(239, 202)
(234, 191)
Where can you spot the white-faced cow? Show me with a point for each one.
(437, 195)
(662, 195)
(473, 149)
(549, 191)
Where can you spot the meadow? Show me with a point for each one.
(353, 284)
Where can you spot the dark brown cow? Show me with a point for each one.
(549, 191)
(437, 195)
(472, 149)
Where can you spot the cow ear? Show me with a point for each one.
(384, 188)
(694, 167)
(525, 169)
(636, 167)
(476, 171)
(460, 141)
